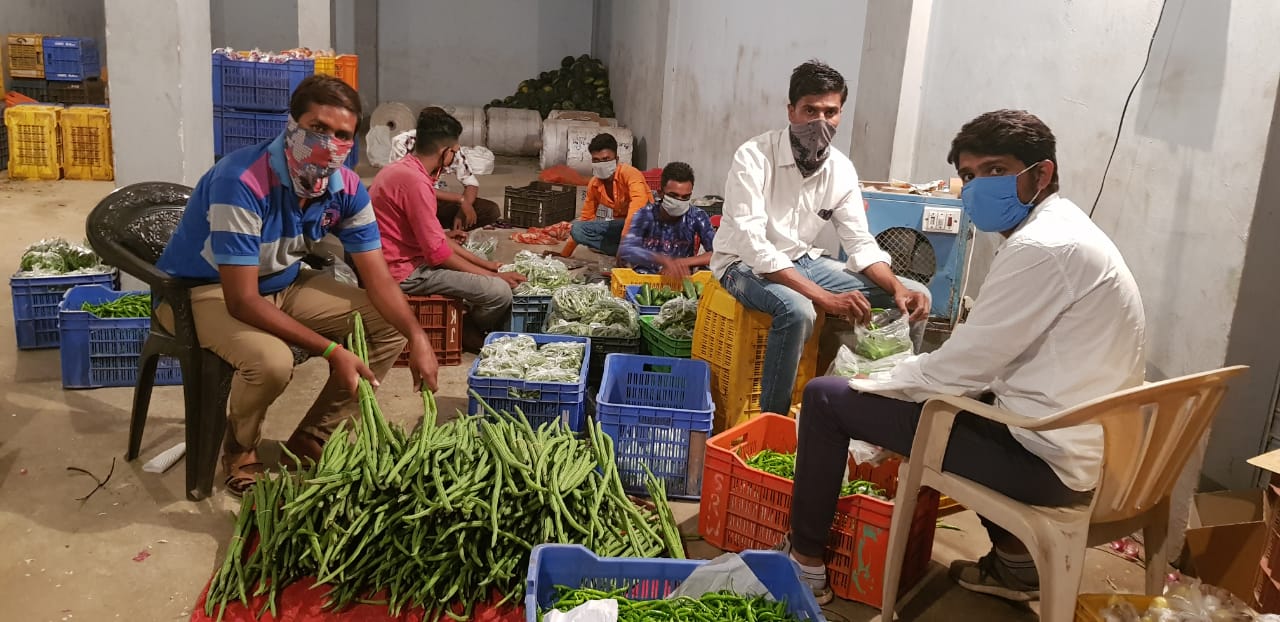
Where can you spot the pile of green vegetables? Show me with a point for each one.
(521, 358)
(651, 296)
(677, 318)
(710, 606)
(545, 274)
(129, 305)
(441, 517)
(58, 256)
(591, 311)
(579, 84)
(784, 465)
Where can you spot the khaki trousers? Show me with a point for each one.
(264, 362)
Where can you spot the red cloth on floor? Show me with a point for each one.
(301, 603)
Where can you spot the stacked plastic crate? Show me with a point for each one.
(56, 70)
(251, 99)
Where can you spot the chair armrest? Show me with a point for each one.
(933, 433)
(958, 403)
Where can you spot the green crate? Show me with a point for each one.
(659, 344)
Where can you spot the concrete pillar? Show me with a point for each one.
(314, 29)
(875, 104)
(161, 89)
(907, 127)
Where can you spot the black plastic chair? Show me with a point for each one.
(129, 228)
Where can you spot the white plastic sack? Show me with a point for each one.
(591, 611)
(378, 145)
(479, 160)
(725, 573)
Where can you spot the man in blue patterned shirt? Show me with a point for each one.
(664, 237)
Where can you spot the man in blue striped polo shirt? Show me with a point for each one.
(250, 221)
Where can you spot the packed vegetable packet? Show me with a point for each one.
(55, 256)
(483, 244)
(545, 274)
(591, 311)
(677, 318)
(519, 357)
(888, 333)
(1185, 599)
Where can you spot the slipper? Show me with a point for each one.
(241, 478)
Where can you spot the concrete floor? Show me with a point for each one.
(138, 550)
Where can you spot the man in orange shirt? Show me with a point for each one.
(615, 186)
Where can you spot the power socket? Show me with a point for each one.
(941, 220)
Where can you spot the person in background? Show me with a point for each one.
(663, 238)
(458, 212)
(422, 257)
(1059, 322)
(249, 222)
(617, 187)
(784, 188)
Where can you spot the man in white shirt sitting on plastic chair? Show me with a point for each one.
(1059, 322)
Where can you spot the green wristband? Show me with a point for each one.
(333, 345)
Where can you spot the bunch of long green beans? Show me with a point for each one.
(441, 516)
(783, 464)
(718, 606)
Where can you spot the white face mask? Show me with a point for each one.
(604, 170)
(675, 207)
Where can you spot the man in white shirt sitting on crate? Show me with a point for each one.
(1059, 322)
(784, 188)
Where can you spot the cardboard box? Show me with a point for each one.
(1225, 535)
(1267, 583)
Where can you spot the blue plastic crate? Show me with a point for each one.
(234, 130)
(35, 305)
(648, 579)
(249, 85)
(540, 401)
(632, 292)
(529, 313)
(71, 59)
(104, 352)
(659, 413)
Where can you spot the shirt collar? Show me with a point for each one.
(275, 156)
(782, 146)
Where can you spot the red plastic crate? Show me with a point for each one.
(743, 508)
(653, 177)
(441, 317)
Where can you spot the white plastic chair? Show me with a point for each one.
(1149, 433)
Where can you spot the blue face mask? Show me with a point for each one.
(993, 204)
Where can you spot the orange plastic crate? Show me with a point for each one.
(441, 318)
(732, 340)
(348, 69)
(743, 508)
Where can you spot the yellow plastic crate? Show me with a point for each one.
(620, 278)
(326, 65)
(732, 340)
(35, 145)
(86, 143)
(26, 56)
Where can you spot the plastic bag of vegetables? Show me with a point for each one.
(887, 334)
(481, 244)
(55, 256)
(677, 317)
(519, 357)
(591, 311)
(545, 274)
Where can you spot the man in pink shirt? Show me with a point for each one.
(420, 254)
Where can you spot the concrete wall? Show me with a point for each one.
(727, 70)
(70, 18)
(632, 41)
(248, 24)
(468, 53)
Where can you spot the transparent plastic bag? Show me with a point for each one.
(887, 334)
(482, 243)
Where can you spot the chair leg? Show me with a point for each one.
(209, 425)
(1154, 537)
(904, 508)
(142, 398)
(192, 362)
(1059, 557)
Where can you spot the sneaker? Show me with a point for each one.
(989, 576)
(816, 580)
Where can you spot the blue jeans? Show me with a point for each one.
(794, 317)
(600, 235)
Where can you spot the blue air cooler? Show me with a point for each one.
(935, 258)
